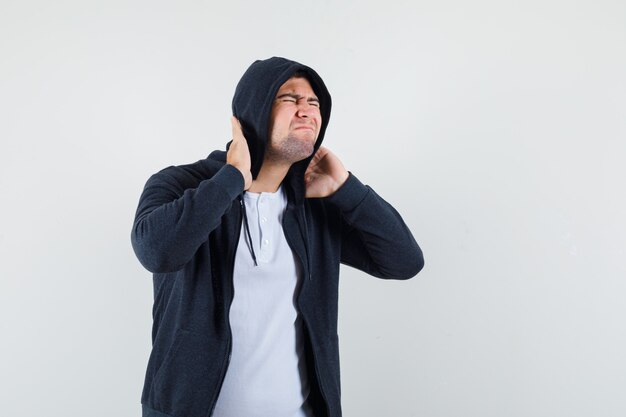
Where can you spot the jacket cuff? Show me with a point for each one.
(230, 179)
(350, 194)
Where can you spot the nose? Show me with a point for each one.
(305, 109)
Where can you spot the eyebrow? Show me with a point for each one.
(298, 97)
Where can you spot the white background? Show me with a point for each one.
(496, 128)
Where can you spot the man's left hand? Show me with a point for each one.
(324, 175)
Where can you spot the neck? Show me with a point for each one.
(270, 177)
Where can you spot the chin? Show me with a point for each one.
(305, 151)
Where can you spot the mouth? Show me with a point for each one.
(304, 127)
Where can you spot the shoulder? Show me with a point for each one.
(188, 175)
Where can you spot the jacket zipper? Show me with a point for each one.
(230, 332)
(304, 319)
(317, 372)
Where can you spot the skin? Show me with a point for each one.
(295, 122)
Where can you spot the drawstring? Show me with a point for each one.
(308, 243)
(247, 228)
(305, 232)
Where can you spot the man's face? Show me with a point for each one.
(295, 122)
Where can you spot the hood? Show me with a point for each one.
(252, 105)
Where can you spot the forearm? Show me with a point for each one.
(171, 222)
(376, 238)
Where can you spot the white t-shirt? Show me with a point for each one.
(266, 376)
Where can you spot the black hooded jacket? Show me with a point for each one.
(186, 230)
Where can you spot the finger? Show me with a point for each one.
(312, 164)
(321, 153)
(236, 127)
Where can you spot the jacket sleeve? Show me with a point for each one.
(375, 239)
(172, 221)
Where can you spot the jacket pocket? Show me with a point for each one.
(185, 379)
(169, 356)
(188, 377)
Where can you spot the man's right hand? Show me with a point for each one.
(238, 153)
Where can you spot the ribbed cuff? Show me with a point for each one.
(230, 179)
(350, 194)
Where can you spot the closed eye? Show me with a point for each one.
(294, 98)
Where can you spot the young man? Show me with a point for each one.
(245, 248)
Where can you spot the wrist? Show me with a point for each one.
(340, 182)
